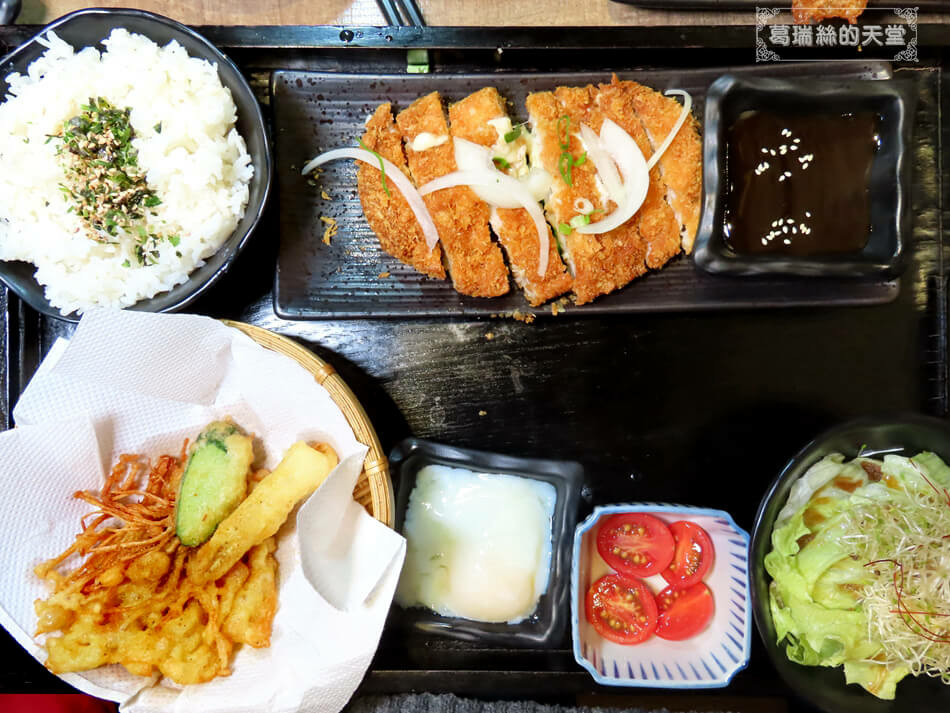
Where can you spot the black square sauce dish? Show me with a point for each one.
(548, 621)
(806, 177)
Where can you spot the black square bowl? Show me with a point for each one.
(889, 190)
(824, 687)
(85, 28)
(548, 624)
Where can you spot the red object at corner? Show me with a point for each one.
(54, 703)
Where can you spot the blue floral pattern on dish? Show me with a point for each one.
(708, 660)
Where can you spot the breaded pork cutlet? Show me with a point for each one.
(475, 262)
(601, 263)
(806, 11)
(389, 216)
(656, 220)
(469, 119)
(681, 166)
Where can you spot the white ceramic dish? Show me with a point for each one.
(708, 660)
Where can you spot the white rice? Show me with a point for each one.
(197, 165)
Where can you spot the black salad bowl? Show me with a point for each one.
(85, 28)
(825, 688)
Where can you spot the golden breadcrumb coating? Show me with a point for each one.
(389, 216)
(681, 166)
(655, 219)
(468, 119)
(475, 262)
(807, 11)
(600, 263)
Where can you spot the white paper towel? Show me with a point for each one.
(132, 382)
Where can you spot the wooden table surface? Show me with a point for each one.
(365, 12)
(698, 408)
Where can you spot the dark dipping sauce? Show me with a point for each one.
(798, 184)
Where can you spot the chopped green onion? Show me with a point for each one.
(126, 264)
(152, 200)
(417, 56)
(513, 134)
(158, 128)
(580, 220)
(382, 167)
(564, 229)
(500, 162)
(565, 163)
(581, 160)
(565, 122)
(174, 240)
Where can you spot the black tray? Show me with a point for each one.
(700, 409)
(317, 111)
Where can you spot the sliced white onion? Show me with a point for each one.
(598, 154)
(583, 206)
(470, 156)
(687, 105)
(636, 177)
(538, 182)
(513, 191)
(409, 192)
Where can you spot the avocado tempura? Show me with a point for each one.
(860, 564)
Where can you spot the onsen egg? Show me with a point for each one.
(479, 544)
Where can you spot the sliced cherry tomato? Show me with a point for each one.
(621, 610)
(635, 544)
(692, 557)
(683, 612)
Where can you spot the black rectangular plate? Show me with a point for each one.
(317, 111)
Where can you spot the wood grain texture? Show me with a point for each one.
(436, 12)
(452, 13)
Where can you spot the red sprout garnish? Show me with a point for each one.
(905, 612)
(939, 491)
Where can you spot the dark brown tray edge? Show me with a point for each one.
(688, 37)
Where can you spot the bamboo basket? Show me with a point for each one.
(374, 489)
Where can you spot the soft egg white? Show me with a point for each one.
(479, 544)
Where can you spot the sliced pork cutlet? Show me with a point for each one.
(483, 119)
(681, 166)
(655, 219)
(806, 11)
(389, 216)
(600, 263)
(475, 262)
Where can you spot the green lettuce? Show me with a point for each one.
(817, 580)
